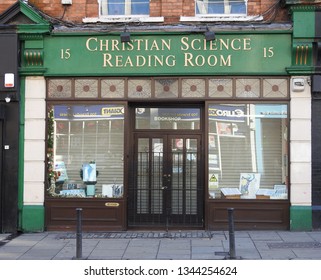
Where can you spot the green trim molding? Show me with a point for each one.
(33, 217)
(300, 218)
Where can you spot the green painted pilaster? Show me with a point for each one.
(300, 218)
(30, 217)
(303, 53)
(303, 21)
(33, 217)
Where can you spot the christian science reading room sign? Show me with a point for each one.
(168, 55)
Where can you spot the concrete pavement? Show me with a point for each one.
(172, 245)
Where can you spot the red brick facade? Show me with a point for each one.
(5, 4)
(171, 10)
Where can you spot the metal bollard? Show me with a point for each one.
(79, 234)
(231, 233)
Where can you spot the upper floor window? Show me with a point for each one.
(221, 7)
(124, 7)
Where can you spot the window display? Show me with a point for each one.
(85, 150)
(248, 151)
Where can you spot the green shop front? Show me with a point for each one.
(167, 131)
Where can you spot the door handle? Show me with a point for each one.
(164, 188)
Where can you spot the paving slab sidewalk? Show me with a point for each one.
(201, 245)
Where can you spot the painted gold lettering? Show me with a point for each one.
(225, 44)
(160, 61)
(213, 45)
(140, 61)
(106, 61)
(166, 44)
(188, 59)
(199, 60)
(114, 45)
(154, 46)
(212, 60)
(184, 42)
(227, 62)
(247, 44)
(103, 45)
(129, 46)
(91, 46)
(139, 43)
(128, 62)
(194, 45)
(170, 61)
(236, 44)
(119, 61)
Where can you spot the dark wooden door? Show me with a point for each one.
(166, 189)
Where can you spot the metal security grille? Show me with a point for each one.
(166, 188)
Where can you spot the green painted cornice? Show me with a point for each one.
(293, 70)
(303, 8)
(36, 28)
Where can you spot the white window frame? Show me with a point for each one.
(202, 6)
(127, 17)
(103, 10)
(227, 16)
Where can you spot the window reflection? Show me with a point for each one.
(248, 151)
(167, 118)
(85, 150)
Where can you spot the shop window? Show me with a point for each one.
(248, 151)
(221, 7)
(124, 7)
(85, 150)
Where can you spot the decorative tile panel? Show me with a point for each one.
(59, 88)
(248, 88)
(169, 87)
(113, 88)
(166, 88)
(86, 88)
(192, 88)
(275, 88)
(139, 88)
(220, 88)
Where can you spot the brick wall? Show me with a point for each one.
(5, 4)
(171, 10)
